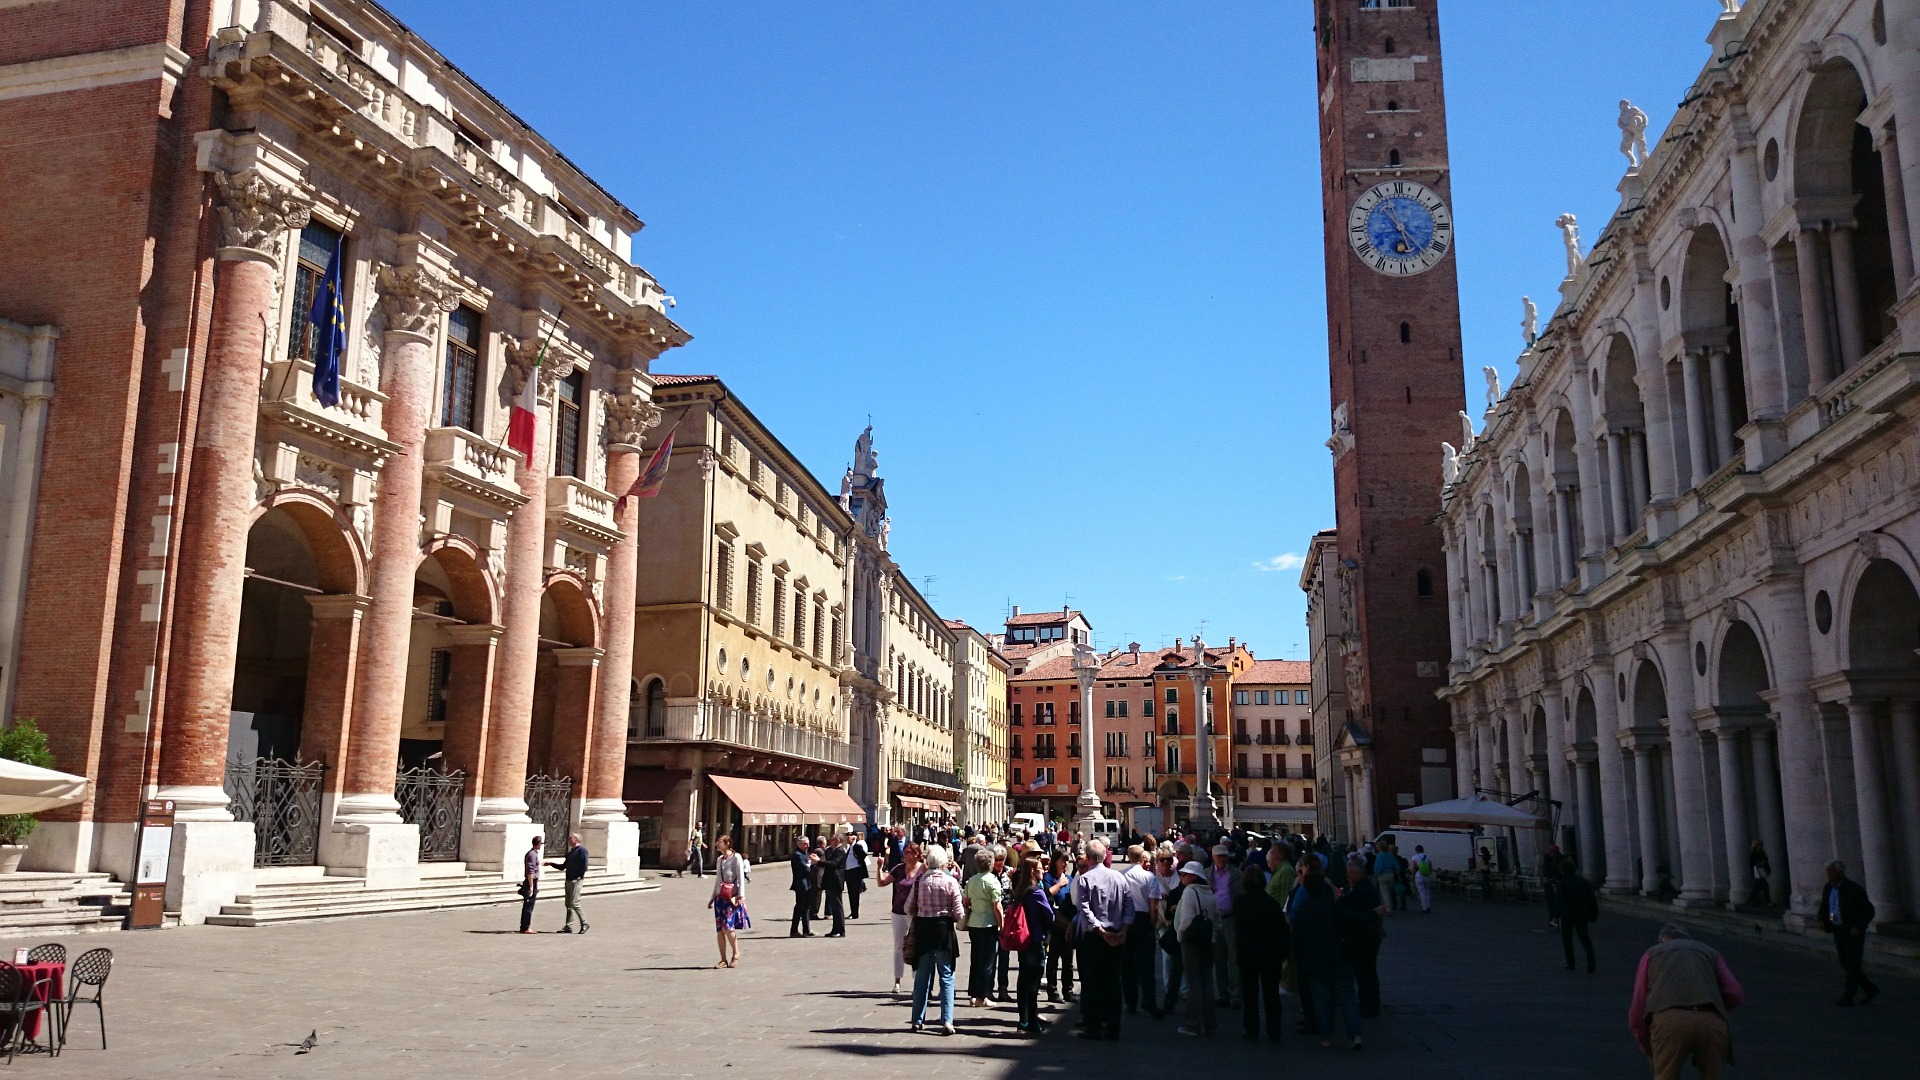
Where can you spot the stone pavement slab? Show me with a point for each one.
(1475, 990)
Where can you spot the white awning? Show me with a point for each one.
(29, 789)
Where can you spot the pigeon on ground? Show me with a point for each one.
(308, 1043)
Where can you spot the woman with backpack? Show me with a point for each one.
(1024, 934)
(729, 900)
(1193, 925)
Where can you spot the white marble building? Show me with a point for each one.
(1682, 554)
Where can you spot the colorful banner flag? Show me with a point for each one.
(648, 484)
(526, 406)
(328, 321)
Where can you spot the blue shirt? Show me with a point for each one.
(1104, 900)
(1833, 905)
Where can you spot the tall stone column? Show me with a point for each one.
(1846, 295)
(367, 836)
(212, 853)
(1645, 800)
(1623, 524)
(1488, 753)
(1614, 822)
(1894, 184)
(1690, 818)
(612, 840)
(1880, 870)
(1462, 758)
(1557, 785)
(1722, 382)
(1592, 844)
(1766, 807)
(1694, 386)
(1733, 815)
(1815, 308)
(501, 825)
(1637, 449)
(1906, 765)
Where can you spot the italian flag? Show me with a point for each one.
(526, 406)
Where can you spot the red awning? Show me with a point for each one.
(822, 805)
(760, 802)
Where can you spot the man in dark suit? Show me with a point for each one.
(1579, 906)
(1846, 912)
(856, 872)
(802, 864)
(833, 876)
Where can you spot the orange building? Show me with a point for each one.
(1043, 738)
(1125, 754)
(1177, 719)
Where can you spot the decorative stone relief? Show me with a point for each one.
(629, 418)
(255, 213)
(414, 297)
(1342, 439)
(320, 475)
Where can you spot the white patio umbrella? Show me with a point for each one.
(1474, 810)
(29, 789)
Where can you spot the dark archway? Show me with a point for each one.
(1837, 178)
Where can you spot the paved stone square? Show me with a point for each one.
(1472, 991)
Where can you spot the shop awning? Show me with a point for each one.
(760, 802)
(822, 805)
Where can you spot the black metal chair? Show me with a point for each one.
(90, 969)
(19, 1000)
(47, 954)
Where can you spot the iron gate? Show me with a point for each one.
(550, 804)
(282, 799)
(435, 801)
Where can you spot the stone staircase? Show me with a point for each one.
(39, 903)
(295, 894)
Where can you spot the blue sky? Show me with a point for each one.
(1067, 255)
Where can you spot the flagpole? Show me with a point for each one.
(538, 358)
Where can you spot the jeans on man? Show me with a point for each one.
(1331, 986)
(1569, 929)
(526, 905)
(1201, 963)
(984, 945)
(1226, 959)
(1059, 962)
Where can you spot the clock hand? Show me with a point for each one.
(1402, 229)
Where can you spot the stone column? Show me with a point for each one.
(1690, 818)
(1556, 777)
(212, 853)
(1569, 544)
(501, 825)
(1846, 296)
(332, 662)
(1623, 524)
(1592, 844)
(1753, 266)
(1721, 380)
(1694, 386)
(1458, 632)
(1644, 803)
(1637, 445)
(1488, 754)
(576, 672)
(1733, 815)
(1814, 308)
(1906, 765)
(1516, 748)
(612, 840)
(367, 836)
(1897, 222)
(1766, 806)
(1880, 870)
(1462, 759)
(1614, 822)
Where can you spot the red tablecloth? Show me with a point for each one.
(49, 986)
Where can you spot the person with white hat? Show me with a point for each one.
(1196, 924)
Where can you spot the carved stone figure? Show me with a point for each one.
(1633, 135)
(865, 461)
(1466, 432)
(1729, 8)
(1342, 438)
(1529, 320)
(629, 419)
(1492, 375)
(886, 531)
(1570, 233)
(1449, 465)
(255, 213)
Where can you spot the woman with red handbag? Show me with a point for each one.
(729, 900)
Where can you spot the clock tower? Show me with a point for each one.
(1393, 334)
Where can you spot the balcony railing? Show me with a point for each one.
(1261, 772)
(922, 774)
(707, 723)
(1045, 753)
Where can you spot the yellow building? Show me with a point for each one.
(980, 737)
(738, 721)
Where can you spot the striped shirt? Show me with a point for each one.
(937, 895)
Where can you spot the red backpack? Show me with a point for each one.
(1015, 936)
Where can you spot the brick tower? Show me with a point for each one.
(1393, 329)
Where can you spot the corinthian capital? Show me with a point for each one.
(255, 213)
(414, 297)
(629, 418)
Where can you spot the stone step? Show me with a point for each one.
(39, 902)
(270, 907)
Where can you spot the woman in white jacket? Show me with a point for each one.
(1196, 923)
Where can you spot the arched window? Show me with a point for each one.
(656, 709)
(1423, 582)
(1393, 158)
(1406, 332)
(1389, 46)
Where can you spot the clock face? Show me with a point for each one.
(1400, 228)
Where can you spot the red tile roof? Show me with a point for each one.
(1052, 669)
(682, 380)
(1292, 672)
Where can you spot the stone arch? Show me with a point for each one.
(1648, 696)
(469, 583)
(1714, 369)
(339, 559)
(1883, 614)
(1526, 576)
(568, 612)
(1586, 718)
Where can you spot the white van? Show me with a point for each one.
(1033, 823)
(1450, 849)
(1106, 829)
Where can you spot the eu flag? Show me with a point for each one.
(328, 317)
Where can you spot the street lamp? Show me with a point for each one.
(1204, 814)
(1086, 665)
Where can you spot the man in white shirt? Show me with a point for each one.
(1136, 958)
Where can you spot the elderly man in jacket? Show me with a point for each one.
(1682, 993)
(1846, 912)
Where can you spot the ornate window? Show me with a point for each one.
(463, 369)
(723, 578)
(317, 245)
(566, 426)
(753, 591)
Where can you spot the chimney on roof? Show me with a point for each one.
(1134, 647)
(1177, 643)
(1232, 644)
(1016, 611)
